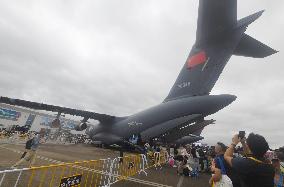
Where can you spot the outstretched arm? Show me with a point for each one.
(228, 156)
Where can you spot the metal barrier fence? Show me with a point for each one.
(95, 173)
(157, 159)
(86, 173)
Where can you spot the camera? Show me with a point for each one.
(242, 134)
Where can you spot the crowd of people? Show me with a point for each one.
(252, 168)
(245, 162)
(60, 137)
(252, 164)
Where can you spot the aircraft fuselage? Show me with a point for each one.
(141, 121)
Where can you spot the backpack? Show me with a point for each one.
(29, 144)
(186, 171)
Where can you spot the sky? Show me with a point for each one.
(121, 57)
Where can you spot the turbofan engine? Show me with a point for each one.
(81, 126)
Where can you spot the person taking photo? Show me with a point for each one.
(254, 170)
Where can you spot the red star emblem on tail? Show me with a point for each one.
(196, 59)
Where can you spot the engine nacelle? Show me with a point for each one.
(81, 126)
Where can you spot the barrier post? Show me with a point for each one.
(2, 179)
(17, 181)
(110, 172)
(31, 178)
(52, 177)
(144, 162)
(157, 159)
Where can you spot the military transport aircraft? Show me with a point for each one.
(219, 36)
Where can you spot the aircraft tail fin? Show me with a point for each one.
(219, 35)
(214, 16)
(249, 19)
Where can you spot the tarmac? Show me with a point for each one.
(58, 153)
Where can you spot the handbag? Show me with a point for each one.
(171, 162)
(225, 181)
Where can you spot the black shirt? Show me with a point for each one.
(29, 143)
(253, 173)
(193, 152)
(201, 153)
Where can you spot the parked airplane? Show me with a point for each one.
(219, 36)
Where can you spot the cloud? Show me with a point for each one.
(122, 57)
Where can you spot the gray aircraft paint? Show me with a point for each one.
(219, 36)
(160, 114)
(188, 139)
(186, 129)
(203, 105)
(164, 127)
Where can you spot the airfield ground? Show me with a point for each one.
(69, 153)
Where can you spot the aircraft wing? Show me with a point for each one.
(52, 108)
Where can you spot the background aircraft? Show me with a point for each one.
(219, 35)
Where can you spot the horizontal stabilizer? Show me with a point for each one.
(250, 47)
(249, 19)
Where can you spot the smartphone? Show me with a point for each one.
(242, 134)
